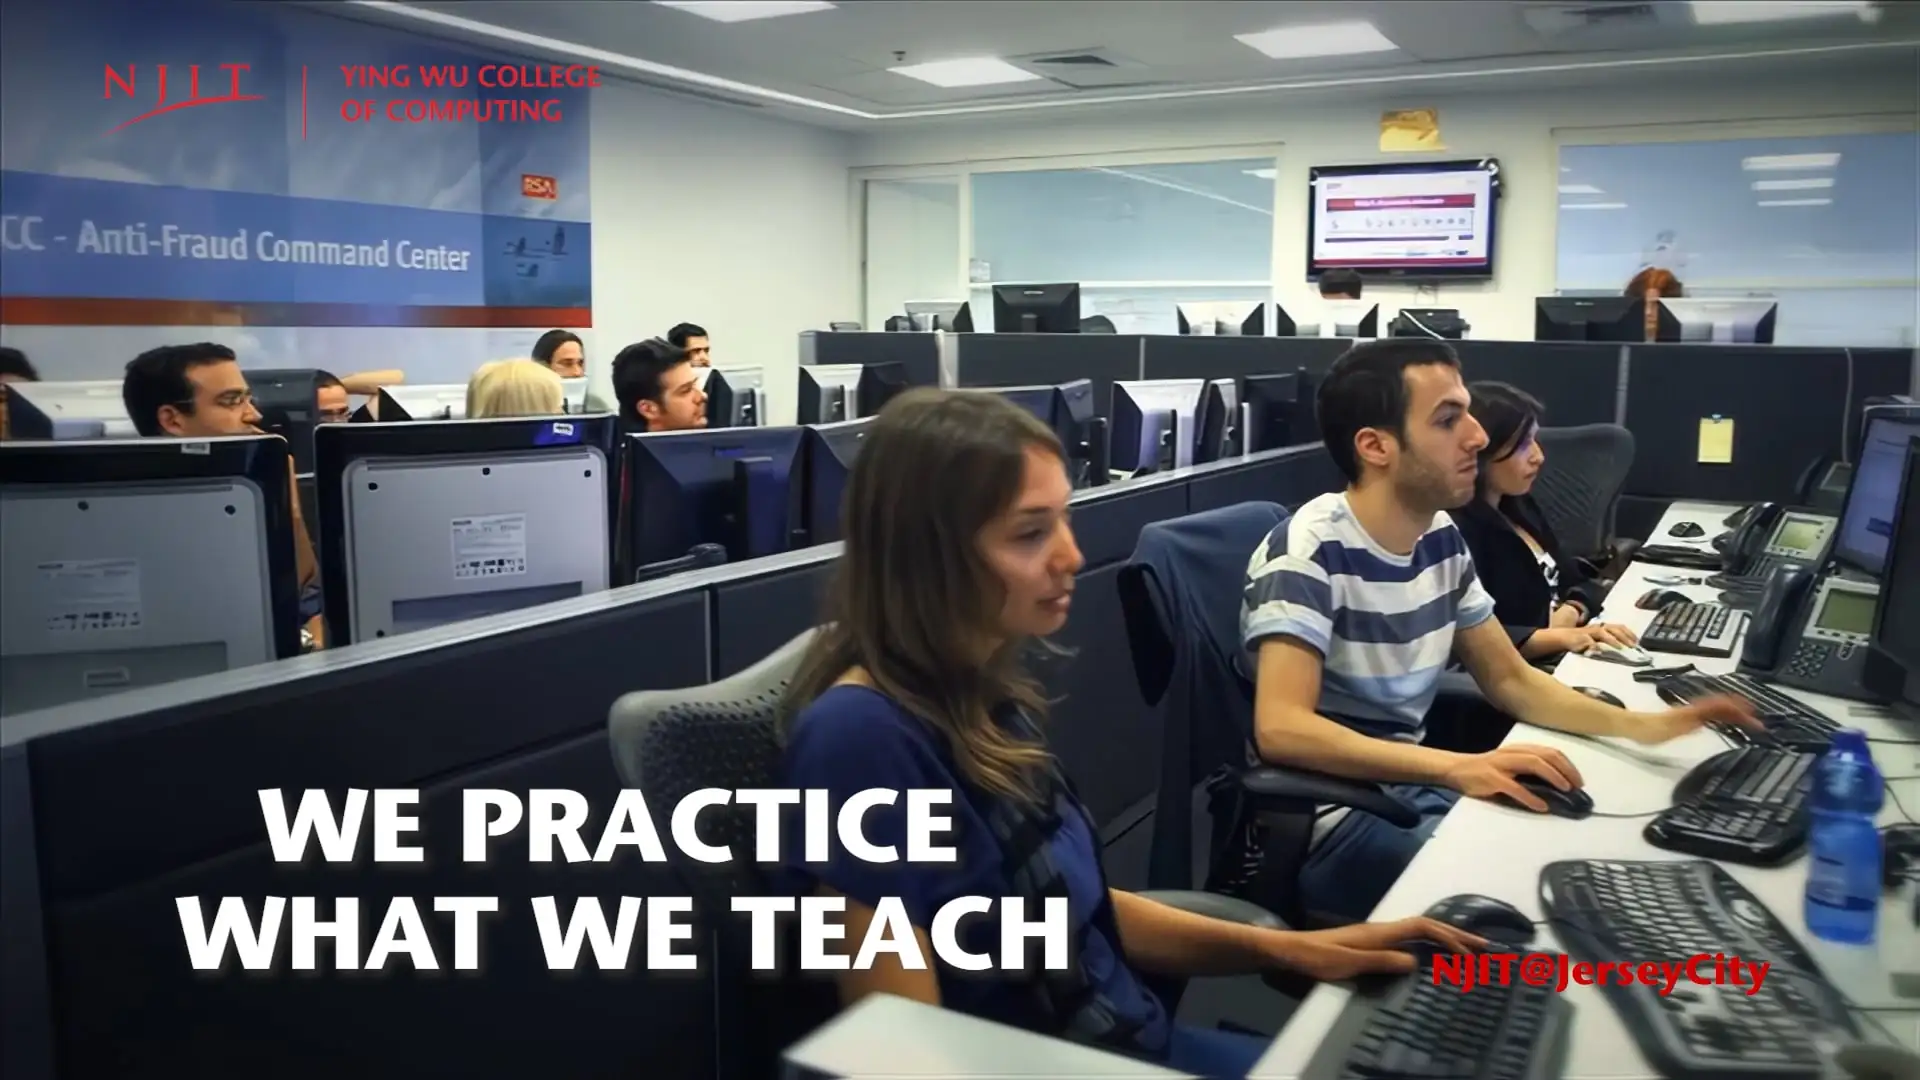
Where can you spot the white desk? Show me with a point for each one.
(1484, 848)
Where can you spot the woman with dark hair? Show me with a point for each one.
(562, 351)
(1542, 598)
(915, 682)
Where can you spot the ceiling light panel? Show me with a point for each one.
(1580, 189)
(1790, 162)
(1594, 206)
(1729, 12)
(1327, 39)
(974, 71)
(1801, 183)
(734, 11)
(1796, 202)
(1260, 174)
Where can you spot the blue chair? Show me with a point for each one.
(1181, 594)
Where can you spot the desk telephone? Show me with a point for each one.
(1810, 632)
(1768, 535)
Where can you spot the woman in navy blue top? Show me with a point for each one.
(958, 554)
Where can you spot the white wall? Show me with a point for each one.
(1521, 127)
(713, 215)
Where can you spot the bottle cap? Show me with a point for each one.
(1852, 740)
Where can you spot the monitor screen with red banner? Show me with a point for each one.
(1425, 220)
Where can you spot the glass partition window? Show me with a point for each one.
(1829, 226)
(913, 245)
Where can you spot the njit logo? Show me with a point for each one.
(129, 86)
(539, 187)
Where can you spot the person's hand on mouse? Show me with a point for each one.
(1580, 639)
(1612, 634)
(1658, 727)
(1365, 948)
(1497, 772)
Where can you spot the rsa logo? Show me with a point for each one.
(539, 187)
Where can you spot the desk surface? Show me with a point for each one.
(1624, 779)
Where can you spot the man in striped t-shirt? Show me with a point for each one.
(1356, 604)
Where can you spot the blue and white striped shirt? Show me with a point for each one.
(1383, 623)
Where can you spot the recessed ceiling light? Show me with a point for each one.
(1263, 174)
(1804, 183)
(1594, 206)
(1784, 162)
(1796, 202)
(1724, 12)
(975, 71)
(1580, 189)
(1327, 39)
(733, 11)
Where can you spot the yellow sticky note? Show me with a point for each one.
(1716, 440)
(1410, 131)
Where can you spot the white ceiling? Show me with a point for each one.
(830, 67)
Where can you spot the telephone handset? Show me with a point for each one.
(1750, 534)
(1810, 632)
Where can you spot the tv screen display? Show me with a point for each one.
(1431, 219)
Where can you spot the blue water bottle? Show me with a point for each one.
(1843, 878)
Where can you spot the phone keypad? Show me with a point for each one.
(1809, 658)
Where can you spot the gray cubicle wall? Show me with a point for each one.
(919, 352)
(986, 360)
(112, 808)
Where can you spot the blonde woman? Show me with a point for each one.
(514, 388)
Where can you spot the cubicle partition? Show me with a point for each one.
(1037, 359)
(1577, 382)
(918, 352)
(115, 807)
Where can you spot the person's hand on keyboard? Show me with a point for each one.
(1659, 727)
(1366, 948)
(1497, 772)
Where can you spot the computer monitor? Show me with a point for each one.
(441, 401)
(1153, 424)
(1866, 521)
(431, 523)
(829, 393)
(1269, 403)
(1218, 426)
(68, 410)
(1620, 319)
(573, 396)
(1230, 318)
(132, 563)
(1442, 323)
(1745, 321)
(1896, 625)
(952, 316)
(830, 451)
(1036, 309)
(729, 486)
(1037, 400)
(1081, 432)
(879, 383)
(736, 396)
(289, 402)
(1343, 319)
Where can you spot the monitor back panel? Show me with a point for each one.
(434, 541)
(109, 589)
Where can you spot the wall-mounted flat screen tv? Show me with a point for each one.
(1418, 220)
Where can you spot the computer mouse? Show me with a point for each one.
(1686, 530)
(1574, 805)
(1494, 919)
(1629, 655)
(1598, 694)
(1877, 1061)
(1655, 599)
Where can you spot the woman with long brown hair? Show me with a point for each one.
(1653, 285)
(958, 556)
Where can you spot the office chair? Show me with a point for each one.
(670, 743)
(1180, 595)
(1578, 489)
(1097, 324)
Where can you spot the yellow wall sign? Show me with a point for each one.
(1410, 131)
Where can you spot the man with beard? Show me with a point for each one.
(1354, 606)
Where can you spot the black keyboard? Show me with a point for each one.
(1745, 806)
(1417, 1030)
(1636, 912)
(1677, 555)
(1694, 630)
(1790, 725)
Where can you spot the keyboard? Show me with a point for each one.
(1790, 725)
(1694, 630)
(1417, 1030)
(1677, 555)
(1635, 912)
(1744, 806)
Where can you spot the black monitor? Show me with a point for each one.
(952, 316)
(437, 522)
(1896, 622)
(879, 384)
(1443, 323)
(1153, 424)
(736, 396)
(1218, 423)
(402, 404)
(138, 562)
(1037, 400)
(830, 451)
(1866, 521)
(93, 409)
(1036, 309)
(1727, 320)
(1269, 403)
(1083, 433)
(1620, 319)
(829, 393)
(734, 487)
(1230, 318)
(289, 402)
